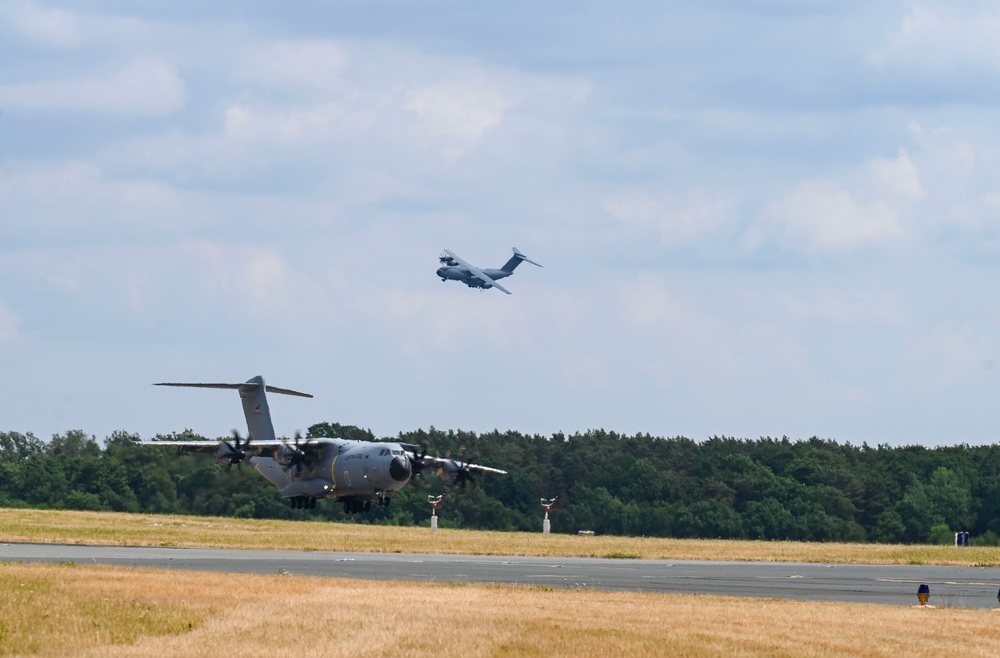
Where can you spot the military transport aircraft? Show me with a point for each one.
(456, 269)
(356, 473)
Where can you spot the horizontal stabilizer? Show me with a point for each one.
(518, 254)
(270, 389)
(516, 260)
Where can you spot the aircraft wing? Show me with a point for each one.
(493, 284)
(191, 446)
(212, 446)
(478, 468)
(252, 448)
(455, 257)
(476, 272)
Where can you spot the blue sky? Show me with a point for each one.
(757, 218)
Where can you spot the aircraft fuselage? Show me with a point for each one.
(457, 273)
(363, 470)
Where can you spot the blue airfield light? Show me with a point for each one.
(924, 593)
(998, 596)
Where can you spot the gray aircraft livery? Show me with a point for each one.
(356, 473)
(456, 269)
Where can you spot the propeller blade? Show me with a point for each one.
(298, 457)
(237, 453)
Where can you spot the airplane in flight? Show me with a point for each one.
(355, 473)
(456, 269)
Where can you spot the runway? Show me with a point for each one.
(965, 587)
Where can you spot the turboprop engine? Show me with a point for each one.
(293, 455)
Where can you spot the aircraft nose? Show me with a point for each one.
(440, 271)
(399, 469)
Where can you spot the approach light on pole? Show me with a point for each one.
(549, 504)
(435, 502)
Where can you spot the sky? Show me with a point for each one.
(756, 217)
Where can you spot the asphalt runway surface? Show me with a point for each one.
(963, 587)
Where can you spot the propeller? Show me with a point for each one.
(457, 472)
(417, 462)
(297, 457)
(237, 454)
(463, 476)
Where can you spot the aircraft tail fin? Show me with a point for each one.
(253, 393)
(516, 259)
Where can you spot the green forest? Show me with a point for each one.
(641, 485)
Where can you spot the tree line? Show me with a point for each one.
(609, 483)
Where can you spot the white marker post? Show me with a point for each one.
(435, 502)
(549, 504)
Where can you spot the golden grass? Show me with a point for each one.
(49, 610)
(46, 526)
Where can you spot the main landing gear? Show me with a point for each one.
(357, 506)
(302, 502)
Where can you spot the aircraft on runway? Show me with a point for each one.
(355, 473)
(456, 269)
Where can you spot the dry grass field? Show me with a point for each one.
(56, 610)
(41, 526)
(48, 610)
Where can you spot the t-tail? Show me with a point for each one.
(515, 260)
(253, 393)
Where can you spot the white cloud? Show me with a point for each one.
(710, 349)
(848, 308)
(647, 304)
(933, 41)
(672, 333)
(147, 86)
(675, 219)
(376, 121)
(875, 204)
(9, 322)
(425, 318)
(458, 113)
(898, 178)
(313, 64)
(56, 27)
(67, 29)
(252, 277)
(820, 216)
(76, 199)
(951, 355)
(63, 276)
(256, 127)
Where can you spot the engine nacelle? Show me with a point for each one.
(449, 472)
(285, 455)
(226, 454)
